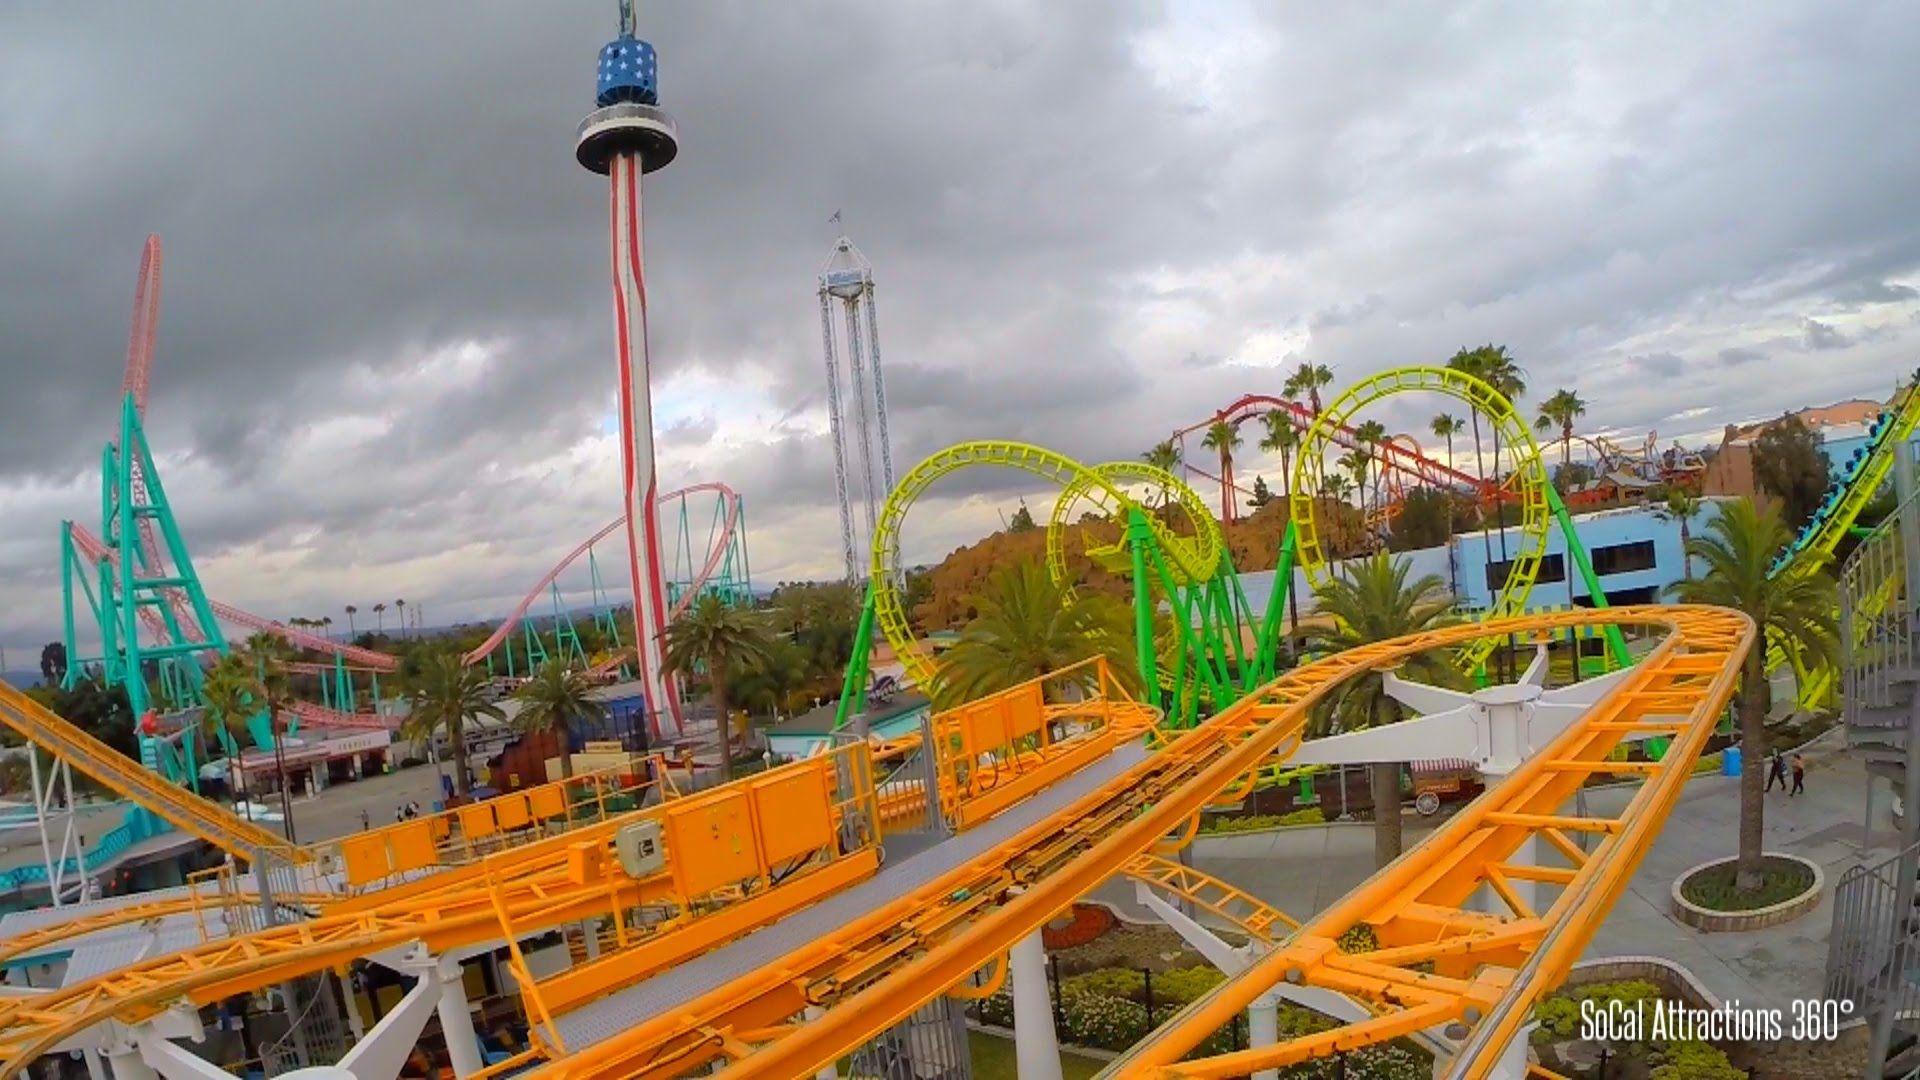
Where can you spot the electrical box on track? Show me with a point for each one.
(640, 850)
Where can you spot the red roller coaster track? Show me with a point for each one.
(1402, 457)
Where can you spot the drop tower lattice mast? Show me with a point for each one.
(626, 136)
(848, 277)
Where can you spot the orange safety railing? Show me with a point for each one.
(468, 833)
(995, 751)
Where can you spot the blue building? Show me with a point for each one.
(1635, 554)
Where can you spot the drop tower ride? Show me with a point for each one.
(625, 137)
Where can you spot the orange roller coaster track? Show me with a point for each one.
(1488, 969)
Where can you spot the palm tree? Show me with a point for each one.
(1282, 437)
(1560, 411)
(714, 636)
(1371, 434)
(351, 612)
(379, 619)
(552, 700)
(1355, 461)
(402, 606)
(1372, 601)
(1029, 625)
(1336, 487)
(268, 654)
(326, 625)
(1683, 507)
(1164, 456)
(446, 696)
(1224, 439)
(1492, 365)
(232, 693)
(1307, 379)
(1447, 426)
(1794, 610)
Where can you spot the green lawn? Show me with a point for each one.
(993, 1060)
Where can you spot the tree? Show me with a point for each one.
(379, 619)
(1223, 438)
(53, 663)
(1029, 625)
(1262, 494)
(1372, 601)
(715, 637)
(1789, 464)
(446, 696)
(554, 699)
(1447, 426)
(1560, 411)
(1022, 520)
(1572, 476)
(401, 606)
(1164, 456)
(1424, 520)
(1793, 610)
(351, 612)
(774, 685)
(232, 693)
(1372, 435)
(1683, 507)
(1492, 364)
(1307, 379)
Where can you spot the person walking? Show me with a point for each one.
(1777, 770)
(1799, 775)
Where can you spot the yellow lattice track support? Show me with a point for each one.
(1529, 475)
(1249, 914)
(1816, 685)
(888, 962)
(176, 805)
(1197, 558)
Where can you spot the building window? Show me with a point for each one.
(1623, 558)
(1552, 568)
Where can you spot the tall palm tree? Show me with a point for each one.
(1560, 411)
(379, 619)
(1373, 601)
(554, 699)
(1307, 379)
(326, 625)
(351, 612)
(1681, 506)
(446, 696)
(1356, 461)
(714, 636)
(1223, 438)
(1795, 611)
(1492, 365)
(402, 606)
(232, 693)
(1282, 437)
(1372, 434)
(268, 654)
(1447, 426)
(1164, 456)
(1029, 625)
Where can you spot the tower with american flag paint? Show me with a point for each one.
(626, 136)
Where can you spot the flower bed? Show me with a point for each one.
(1082, 923)
(1561, 1049)
(1705, 899)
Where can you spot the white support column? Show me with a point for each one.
(1263, 1029)
(590, 935)
(1036, 1050)
(456, 1023)
(96, 1066)
(128, 1064)
(812, 1013)
(1228, 959)
(175, 1062)
(384, 1049)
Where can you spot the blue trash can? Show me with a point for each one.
(1730, 761)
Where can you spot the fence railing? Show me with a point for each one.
(1877, 617)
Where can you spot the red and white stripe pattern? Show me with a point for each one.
(636, 444)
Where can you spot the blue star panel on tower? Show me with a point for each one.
(627, 73)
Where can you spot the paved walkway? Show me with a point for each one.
(1302, 871)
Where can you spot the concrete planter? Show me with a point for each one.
(1710, 921)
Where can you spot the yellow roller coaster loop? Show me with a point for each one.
(1529, 475)
(1194, 558)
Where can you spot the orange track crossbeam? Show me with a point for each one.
(879, 969)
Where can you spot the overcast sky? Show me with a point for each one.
(384, 365)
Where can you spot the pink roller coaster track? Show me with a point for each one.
(1404, 458)
(729, 498)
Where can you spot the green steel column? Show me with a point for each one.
(1616, 641)
(856, 680)
(66, 605)
(1267, 657)
(1139, 536)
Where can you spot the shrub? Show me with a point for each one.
(1239, 823)
(1695, 1061)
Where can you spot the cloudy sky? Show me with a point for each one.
(384, 365)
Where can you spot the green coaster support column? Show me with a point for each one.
(1616, 641)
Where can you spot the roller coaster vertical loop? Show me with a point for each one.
(1529, 474)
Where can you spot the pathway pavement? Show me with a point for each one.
(1303, 871)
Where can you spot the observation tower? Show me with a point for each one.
(626, 136)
